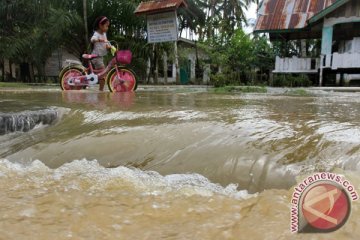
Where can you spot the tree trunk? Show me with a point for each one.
(31, 73)
(148, 71)
(165, 59)
(10, 70)
(177, 63)
(212, 9)
(156, 65)
(86, 23)
(2, 66)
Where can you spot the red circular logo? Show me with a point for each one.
(326, 207)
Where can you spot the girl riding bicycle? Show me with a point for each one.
(119, 78)
(100, 45)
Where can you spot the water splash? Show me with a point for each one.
(26, 121)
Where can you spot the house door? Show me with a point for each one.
(185, 72)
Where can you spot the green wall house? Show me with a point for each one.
(335, 22)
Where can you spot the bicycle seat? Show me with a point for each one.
(89, 56)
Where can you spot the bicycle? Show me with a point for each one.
(119, 78)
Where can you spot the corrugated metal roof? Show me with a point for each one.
(156, 6)
(288, 14)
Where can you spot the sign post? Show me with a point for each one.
(162, 27)
(162, 23)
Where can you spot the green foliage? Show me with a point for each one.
(219, 80)
(263, 54)
(243, 60)
(289, 80)
(293, 48)
(240, 51)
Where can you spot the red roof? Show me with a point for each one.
(157, 6)
(288, 14)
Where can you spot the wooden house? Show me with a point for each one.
(335, 22)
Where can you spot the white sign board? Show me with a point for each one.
(162, 27)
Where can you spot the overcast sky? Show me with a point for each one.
(251, 14)
(252, 11)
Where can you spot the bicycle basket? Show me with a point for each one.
(124, 57)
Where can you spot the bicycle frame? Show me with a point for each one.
(92, 75)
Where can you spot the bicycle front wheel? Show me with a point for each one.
(122, 81)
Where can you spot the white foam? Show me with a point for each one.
(99, 117)
(73, 176)
(339, 132)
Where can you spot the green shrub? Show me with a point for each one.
(219, 80)
(289, 80)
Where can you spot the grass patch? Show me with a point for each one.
(240, 89)
(13, 85)
(250, 89)
(297, 92)
(226, 89)
(24, 85)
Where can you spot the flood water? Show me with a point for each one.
(171, 165)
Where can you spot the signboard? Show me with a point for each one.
(162, 27)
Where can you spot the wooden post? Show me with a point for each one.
(321, 77)
(303, 48)
(326, 50)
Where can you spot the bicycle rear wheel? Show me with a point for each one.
(66, 75)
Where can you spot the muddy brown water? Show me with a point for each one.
(157, 165)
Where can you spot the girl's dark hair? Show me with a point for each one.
(100, 21)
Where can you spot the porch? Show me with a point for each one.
(297, 65)
(337, 61)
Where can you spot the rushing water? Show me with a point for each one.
(163, 165)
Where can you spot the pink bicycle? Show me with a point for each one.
(119, 78)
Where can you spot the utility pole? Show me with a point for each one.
(86, 23)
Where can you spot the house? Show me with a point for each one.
(57, 61)
(189, 56)
(52, 67)
(335, 22)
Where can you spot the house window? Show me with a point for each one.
(313, 64)
(170, 70)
